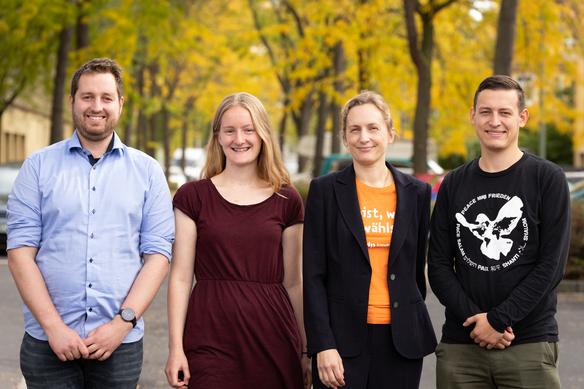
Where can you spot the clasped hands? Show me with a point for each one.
(99, 344)
(487, 336)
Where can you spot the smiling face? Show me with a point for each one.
(238, 137)
(497, 120)
(96, 107)
(366, 135)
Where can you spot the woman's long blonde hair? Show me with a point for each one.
(270, 165)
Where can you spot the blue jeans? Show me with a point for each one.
(42, 369)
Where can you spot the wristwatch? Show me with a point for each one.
(128, 315)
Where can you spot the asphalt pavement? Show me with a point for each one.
(570, 317)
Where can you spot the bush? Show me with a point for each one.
(559, 145)
(451, 161)
(575, 266)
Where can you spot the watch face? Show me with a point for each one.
(128, 314)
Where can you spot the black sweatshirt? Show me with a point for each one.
(499, 244)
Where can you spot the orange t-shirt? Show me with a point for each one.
(377, 206)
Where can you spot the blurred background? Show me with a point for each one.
(303, 59)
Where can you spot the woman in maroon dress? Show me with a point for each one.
(238, 232)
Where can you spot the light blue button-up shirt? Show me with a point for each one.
(91, 225)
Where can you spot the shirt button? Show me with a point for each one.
(93, 189)
(94, 167)
(90, 260)
(93, 211)
(91, 236)
(396, 304)
(90, 309)
(90, 285)
(392, 277)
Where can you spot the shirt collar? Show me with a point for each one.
(116, 143)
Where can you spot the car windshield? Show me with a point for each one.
(7, 178)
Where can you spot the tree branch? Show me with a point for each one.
(283, 83)
(409, 6)
(296, 17)
(439, 7)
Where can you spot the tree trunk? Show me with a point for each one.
(165, 139)
(151, 135)
(304, 126)
(141, 131)
(283, 121)
(282, 130)
(189, 105)
(363, 57)
(141, 134)
(154, 92)
(129, 109)
(59, 84)
(422, 59)
(423, 99)
(505, 38)
(339, 66)
(323, 112)
(82, 28)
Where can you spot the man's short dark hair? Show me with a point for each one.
(97, 66)
(501, 82)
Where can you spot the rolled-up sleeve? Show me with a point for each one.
(157, 230)
(24, 208)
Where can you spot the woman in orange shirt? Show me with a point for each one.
(364, 255)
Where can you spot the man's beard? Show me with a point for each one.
(92, 136)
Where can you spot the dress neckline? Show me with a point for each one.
(235, 204)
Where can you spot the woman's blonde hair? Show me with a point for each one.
(270, 165)
(368, 97)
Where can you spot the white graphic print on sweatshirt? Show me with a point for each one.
(495, 235)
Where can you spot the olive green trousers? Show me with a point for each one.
(523, 366)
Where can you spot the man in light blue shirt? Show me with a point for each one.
(90, 231)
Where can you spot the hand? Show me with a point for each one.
(66, 343)
(105, 339)
(307, 371)
(483, 333)
(177, 363)
(330, 368)
(505, 341)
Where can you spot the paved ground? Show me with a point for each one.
(570, 316)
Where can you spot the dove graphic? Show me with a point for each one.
(493, 233)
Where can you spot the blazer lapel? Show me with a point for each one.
(406, 201)
(346, 193)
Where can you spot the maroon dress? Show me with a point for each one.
(240, 330)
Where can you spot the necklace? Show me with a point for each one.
(386, 178)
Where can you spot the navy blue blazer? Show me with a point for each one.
(337, 271)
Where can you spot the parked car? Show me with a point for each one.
(8, 175)
(194, 162)
(336, 162)
(577, 191)
(574, 177)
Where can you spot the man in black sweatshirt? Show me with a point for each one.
(499, 241)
